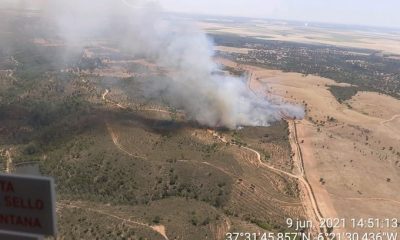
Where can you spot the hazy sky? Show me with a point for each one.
(384, 13)
(361, 12)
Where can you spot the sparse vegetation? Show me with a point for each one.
(344, 93)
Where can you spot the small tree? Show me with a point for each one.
(156, 219)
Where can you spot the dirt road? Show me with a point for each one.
(299, 161)
(114, 138)
(310, 204)
(157, 228)
(104, 97)
(160, 229)
(391, 119)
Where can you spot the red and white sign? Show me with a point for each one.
(27, 204)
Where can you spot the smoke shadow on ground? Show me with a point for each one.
(151, 123)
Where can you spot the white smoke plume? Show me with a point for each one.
(139, 27)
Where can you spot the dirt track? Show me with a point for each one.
(104, 97)
(114, 138)
(361, 141)
(259, 162)
(310, 203)
(310, 200)
(298, 159)
(392, 119)
(160, 229)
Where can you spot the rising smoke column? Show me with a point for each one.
(139, 27)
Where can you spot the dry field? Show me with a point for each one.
(352, 159)
(232, 49)
(385, 42)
